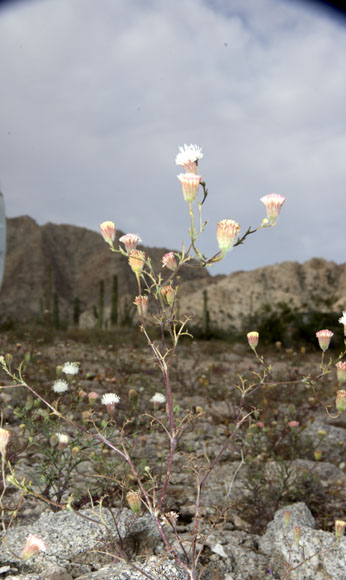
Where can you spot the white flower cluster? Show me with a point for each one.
(60, 386)
(109, 399)
(158, 398)
(70, 368)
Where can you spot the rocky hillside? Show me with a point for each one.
(70, 262)
(315, 286)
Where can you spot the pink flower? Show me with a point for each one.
(169, 261)
(226, 232)
(92, 396)
(32, 546)
(142, 304)
(188, 157)
(260, 424)
(341, 371)
(273, 203)
(293, 424)
(108, 232)
(324, 338)
(252, 338)
(190, 184)
(130, 241)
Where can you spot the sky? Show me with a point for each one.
(97, 97)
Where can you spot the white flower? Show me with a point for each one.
(110, 399)
(70, 368)
(158, 398)
(342, 320)
(60, 386)
(188, 154)
(63, 439)
(130, 241)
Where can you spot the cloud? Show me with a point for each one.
(97, 97)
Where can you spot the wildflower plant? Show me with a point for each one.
(157, 305)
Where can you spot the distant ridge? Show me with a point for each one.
(70, 261)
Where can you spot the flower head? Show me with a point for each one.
(190, 184)
(108, 232)
(60, 386)
(137, 261)
(169, 293)
(340, 401)
(293, 424)
(70, 368)
(63, 440)
(110, 399)
(341, 371)
(158, 399)
(32, 546)
(324, 337)
(4, 438)
(142, 304)
(273, 203)
(130, 241)
(134, 501)
(226, 232)
(340, 526)
(169, 261)
(342, 320)
(252, 338)
(188, 157)
(170, 518)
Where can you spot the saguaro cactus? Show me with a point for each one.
(2, 236)
(101, 304)
(114, 305)
(206, 316)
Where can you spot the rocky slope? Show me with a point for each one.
(70, 262)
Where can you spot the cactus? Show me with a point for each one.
(101, 304)
(206, 317)
(56, 314)
(114, 305)
(76, 311)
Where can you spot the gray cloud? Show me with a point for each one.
(97, 97)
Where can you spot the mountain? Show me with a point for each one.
(314, 286)
(70, 262)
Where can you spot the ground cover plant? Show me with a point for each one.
(135, 430)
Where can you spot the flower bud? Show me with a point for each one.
(169, 261)
(324, 338)
(226, 232)
(108, 232)
(341, 371)
(32, 546)
(296, 533)
(134, 501)
(340, 526)
(130, 241)
(317, 454)
(273, 203)
(137, 261)
(287, 517)
(168, 293)
(190, 184)
(142, 304)
(340, 401)
(252, 338)
(4, 438)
